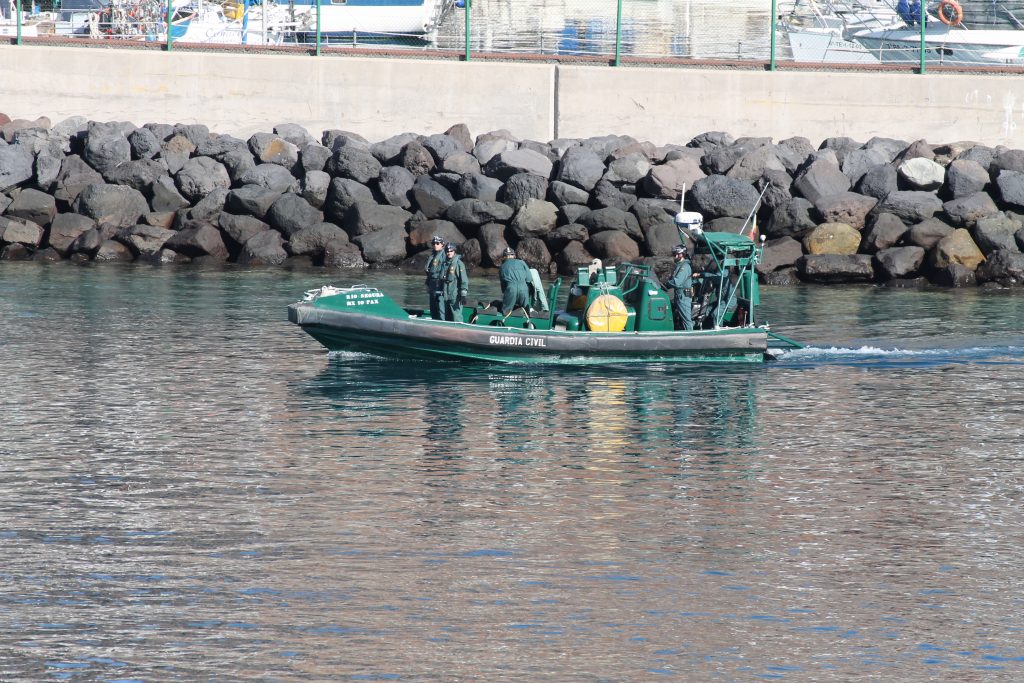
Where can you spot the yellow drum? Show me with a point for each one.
(607, 313)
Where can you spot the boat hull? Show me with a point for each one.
(420, 338)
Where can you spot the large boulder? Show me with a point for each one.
(534, 252)
(66, 228)
(670, 180)
(138, 174)
(965, 212)
(965, 177)
(927, 233)
(920, 173)
(478, 186)
(613, 246)
(779, 254)
(1011, 188)
(716, 196)
(886, 231)
(1005, 267)
(315, 185)
(600, 220)
(201, 176)
(342, 195)
(239, 229)
(521, 188)
(581, 167)
(15, 166)
(264, 248)
(820, 179)
(252, 200)
(354, 163)
(571, 257)
(475, 212)
(829, 268)
(20, 231)
(996, 232)
(115, 204)
(535, 219)
(416, 159)
(878, 182)
(272, 149)
(791, 219)
(199, 240)
(846, 207)
(832, 238)
(431, 197)
(291, 213)
(383, 247)
(911, 206)
(32, 205)
(898, 263)
(106, 146)
(957, 247)
(365, 217)
(511, 162)
(145, 241)
(271, 176)
(395, 183)
(629, 169)
(312, 240)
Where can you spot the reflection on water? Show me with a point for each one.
(651, 28)
(193, 490)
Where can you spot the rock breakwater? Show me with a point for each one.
(883, 210)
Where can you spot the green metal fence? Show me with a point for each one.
(967, 34)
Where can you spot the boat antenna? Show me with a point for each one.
(753, 209)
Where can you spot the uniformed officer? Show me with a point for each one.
(515, 282)
(455, 284)
(682, 282)
(435, 274)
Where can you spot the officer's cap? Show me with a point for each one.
(450, 246)
(437, 239)
(679, 249)
(509, 252)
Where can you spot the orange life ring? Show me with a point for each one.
(950, 13)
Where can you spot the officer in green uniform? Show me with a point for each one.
(682, 282)
(515, 282)
(455, 285)
(435, 273)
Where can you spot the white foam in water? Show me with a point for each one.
(870, 352)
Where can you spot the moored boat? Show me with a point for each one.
(612, 314)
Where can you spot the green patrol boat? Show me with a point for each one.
(614, 314)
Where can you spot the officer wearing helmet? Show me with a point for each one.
(435, 273)
(515, 282)
(682, 282)
(455, 284)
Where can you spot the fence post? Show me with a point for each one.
(774, 29)
(924, 21)
(18, 21)
(170, 39)
(469, 6)
(618, 35)
(317, 28)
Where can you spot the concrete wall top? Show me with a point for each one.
(379, 97)
(242, 94)
(673, 105)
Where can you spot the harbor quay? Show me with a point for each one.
(539, 157)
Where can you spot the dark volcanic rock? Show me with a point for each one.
(836, 268)
(717, 196)
(899, 262)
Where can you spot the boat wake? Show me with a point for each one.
(899, 357)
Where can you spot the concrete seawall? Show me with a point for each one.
(379, 97)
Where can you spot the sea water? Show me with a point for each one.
(193, 489)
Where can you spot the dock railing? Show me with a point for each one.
(760, 34)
